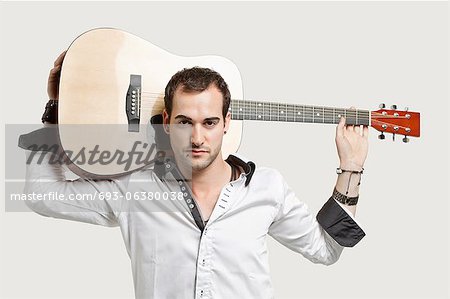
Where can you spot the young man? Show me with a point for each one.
(212, 243)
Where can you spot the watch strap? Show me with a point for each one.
(344, 199)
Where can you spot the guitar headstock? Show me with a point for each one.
(395, 121)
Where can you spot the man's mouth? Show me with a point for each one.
(195, 151)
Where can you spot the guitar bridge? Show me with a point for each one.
(133, 103)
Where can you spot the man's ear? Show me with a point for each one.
(166, 121)
(227, 122)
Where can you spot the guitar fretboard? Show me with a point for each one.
(269, 111)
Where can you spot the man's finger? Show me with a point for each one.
(349, 128)
(340, 127)
(60, 58)
(55, 70)
(365, 131)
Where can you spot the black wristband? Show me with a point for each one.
(344, 199)
(51, 112)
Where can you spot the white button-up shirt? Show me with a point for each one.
(170, 256)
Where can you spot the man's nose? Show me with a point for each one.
(197, 137)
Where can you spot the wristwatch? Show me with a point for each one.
(344, 199)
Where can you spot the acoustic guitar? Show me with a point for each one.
(112, 87)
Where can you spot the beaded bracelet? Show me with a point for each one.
(344, 199)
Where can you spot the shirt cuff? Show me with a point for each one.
(339, 224)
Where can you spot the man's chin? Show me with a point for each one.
(196, 163)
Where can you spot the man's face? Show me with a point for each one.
(197, 127)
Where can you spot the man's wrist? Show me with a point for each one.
(352, 166)
(349, 179)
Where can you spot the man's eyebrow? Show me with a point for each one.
(215, 118)
(181, 116)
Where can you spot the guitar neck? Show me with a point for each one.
(269, 111)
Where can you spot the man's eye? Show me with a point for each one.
(210, 123)
(184, 122)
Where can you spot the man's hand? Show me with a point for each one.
(53, 78)
(352, 145)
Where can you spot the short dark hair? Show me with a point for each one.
(196, 79)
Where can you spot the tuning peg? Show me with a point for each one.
(405, 139)
(381, 136)
(382, 106)
(394, 107)
(393, 137)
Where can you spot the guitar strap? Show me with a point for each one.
(164, 166)
(43, 139)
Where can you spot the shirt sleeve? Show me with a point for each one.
(339, 224)
(296, 228)
(82, 200)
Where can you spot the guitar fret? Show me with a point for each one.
(328, 116)
(303, 114)
(259, 111)
(250, 111)
(317, 113)
(278, 111)
(351, 117)
(338, 114)
(266, 109)
(290, 116)
(283, 112)
(308, 114)
(273, 114)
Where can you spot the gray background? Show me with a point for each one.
(334, 54)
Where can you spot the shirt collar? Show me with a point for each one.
(238, 160)
(248, 166)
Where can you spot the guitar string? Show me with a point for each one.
(250, 102)
(254, 105)
(161, 95)
(248, 109)
(328, 114)
(290, 115)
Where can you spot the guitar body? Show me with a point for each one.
(95, 79)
